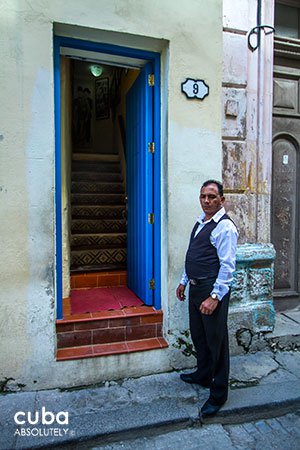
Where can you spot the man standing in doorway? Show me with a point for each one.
(209, 267)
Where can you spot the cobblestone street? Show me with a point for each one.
(281, 433)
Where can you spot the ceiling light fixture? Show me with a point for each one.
(96, 70)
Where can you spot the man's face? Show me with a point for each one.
(210, 200)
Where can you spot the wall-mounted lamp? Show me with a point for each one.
(96, 70)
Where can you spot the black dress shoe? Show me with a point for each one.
(193, 379)
(209, 409)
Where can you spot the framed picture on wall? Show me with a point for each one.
(102, 98)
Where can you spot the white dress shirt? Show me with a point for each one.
(224, 239)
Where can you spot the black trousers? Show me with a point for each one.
(210, 338)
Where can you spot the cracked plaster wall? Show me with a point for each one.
(247, 119)
(189, 40)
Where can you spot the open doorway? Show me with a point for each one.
(109, 122)
(98, 230)
(98, 240)
(107, 190)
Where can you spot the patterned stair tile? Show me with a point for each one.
(95, 187)
(98, 212)
(111, 167)
(98, 240)
(96, 176)
(98, 199)
(95, 257)
(100, 226)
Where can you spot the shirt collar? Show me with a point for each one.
(215, 218)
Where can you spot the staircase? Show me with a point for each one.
(98, 227)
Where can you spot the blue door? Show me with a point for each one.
(139, 181)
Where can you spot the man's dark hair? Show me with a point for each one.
(217, 183)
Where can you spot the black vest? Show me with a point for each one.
(201, 257)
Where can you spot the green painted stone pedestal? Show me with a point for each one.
(251, 312)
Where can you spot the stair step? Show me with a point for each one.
(98, 199)
(117, 348)
(98, 212)
(92, 257)
(94, 280)
(96, 176)
(100, 226)
(100, 240)
(98, 229)
(97, 268)
(108, 332)
(98, 157)
(109, 187)
(109, 327)
(86, 166)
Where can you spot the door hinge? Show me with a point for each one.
(151, 147)
(151, 79)
(151, 218)
(152, 284)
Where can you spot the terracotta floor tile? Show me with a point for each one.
(74, 352)
(117, 322)
(74, 339)
(139, 310)
(108, 335)
(75, 317)
(85, 281)
(118, 313)
(143, 344)
(123, 279)
(125, 321)
(63, 327)
(140, 332)
(151, 318)
(163, 342)
(91, 325)
(111, 279)
(159, 329)
(106, 349)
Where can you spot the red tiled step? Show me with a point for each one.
(99, 279)
(92, 351)
(109, 328)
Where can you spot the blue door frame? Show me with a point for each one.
(153, 58)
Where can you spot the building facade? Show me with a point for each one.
(103, 143)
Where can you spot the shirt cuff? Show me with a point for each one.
(220, 290)
(184, 280)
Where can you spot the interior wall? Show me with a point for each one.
(101, 128)
(66, 158)
(127, 81)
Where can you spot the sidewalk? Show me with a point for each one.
(263, 384)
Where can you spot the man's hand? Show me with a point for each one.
(180, 292)
(208, 306)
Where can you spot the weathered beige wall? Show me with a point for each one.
(247, 118)
(189, 38)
